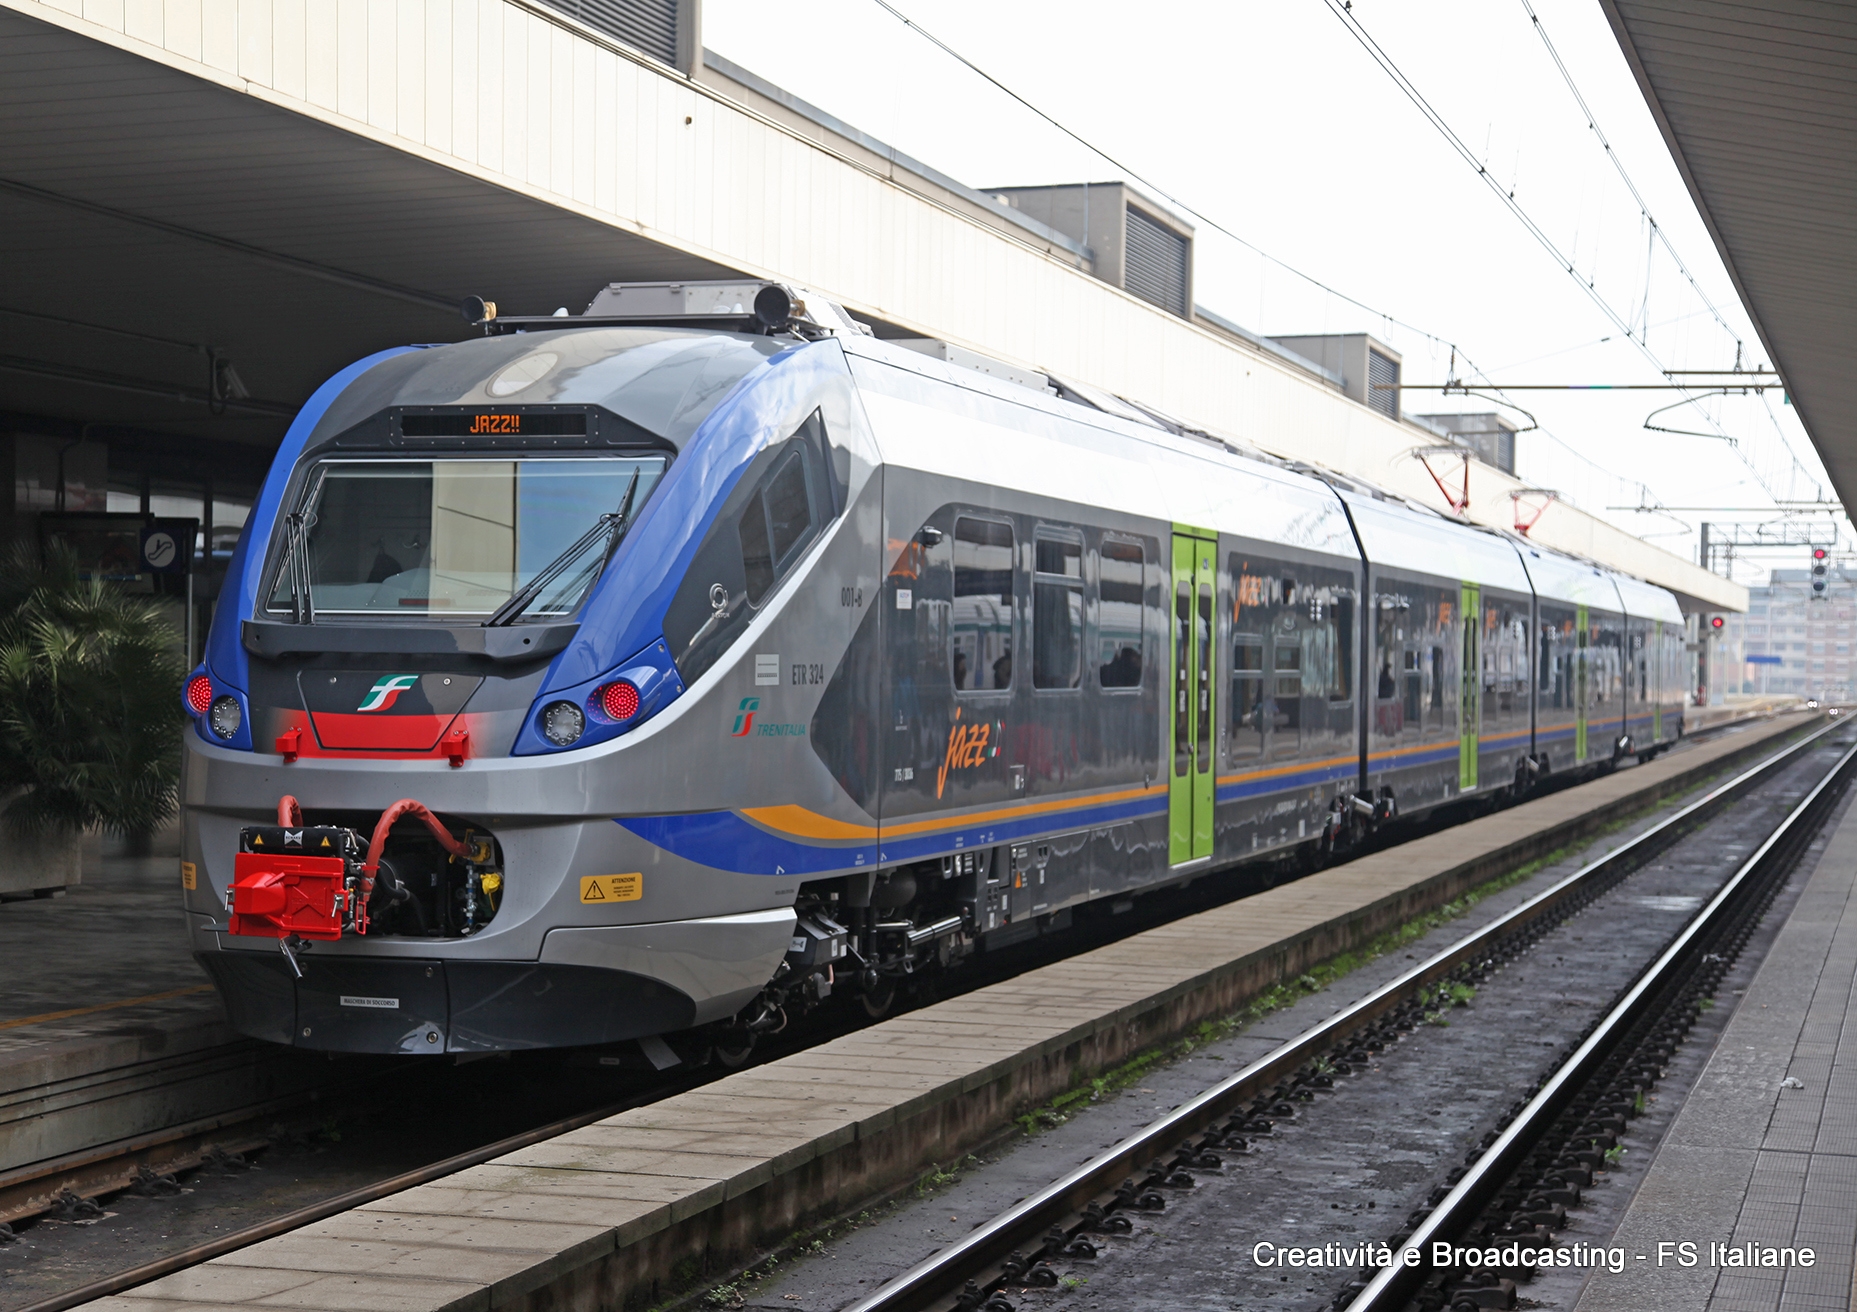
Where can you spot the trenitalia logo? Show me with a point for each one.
(386, 691)
(744, 718)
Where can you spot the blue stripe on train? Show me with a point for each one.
(724, 840)
(1286, 782)
(1437, 756)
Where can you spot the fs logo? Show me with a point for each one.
(744, 718)
(386, 691)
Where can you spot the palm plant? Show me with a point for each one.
(90, 719)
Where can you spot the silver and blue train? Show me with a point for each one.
(734, 657)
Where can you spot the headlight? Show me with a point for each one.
(225, 717)
(563, 723)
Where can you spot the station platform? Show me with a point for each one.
(1764, 1150)
(1739, 708)
(638, 1207)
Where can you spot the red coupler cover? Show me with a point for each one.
(275, 895)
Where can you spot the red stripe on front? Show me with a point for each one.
(349, 731)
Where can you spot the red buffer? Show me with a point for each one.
(278, 894)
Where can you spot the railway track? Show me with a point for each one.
(119, 1281)
(1508, 1189)
(78, 1199)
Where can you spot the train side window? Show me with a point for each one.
(1057, 611)
(782, 503)
(1386, 649)
(1415, 688)
(757, 556)
(776, 524)
(1286, 690)
(1121, 588)
(789, 510)
(1247, 741)
(1341, 682)
(984, 609)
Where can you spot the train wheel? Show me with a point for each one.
(878, 999)
(732, 1048)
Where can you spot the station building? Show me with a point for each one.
(1792, 640)
(213, 206)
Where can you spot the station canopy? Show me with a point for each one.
(1758, 105)
(157, 223)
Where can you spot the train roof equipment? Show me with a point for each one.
(741, 305)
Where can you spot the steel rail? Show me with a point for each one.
(1257, 1074)
(1390, 1289)
(1032, 1216)
(104, 1286)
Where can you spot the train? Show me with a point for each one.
(636, 680)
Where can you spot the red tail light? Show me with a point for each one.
(199, 694)
(619, 700)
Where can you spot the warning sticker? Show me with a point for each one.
(190, 878)
(612, 888)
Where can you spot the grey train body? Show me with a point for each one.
(1007, 656)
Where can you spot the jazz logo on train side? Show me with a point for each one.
(386, 691)
(612, 888)
(969, 745)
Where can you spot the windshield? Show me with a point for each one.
(454, 538)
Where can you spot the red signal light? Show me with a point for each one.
(1716, 621)
(619, 700)
(199, 694)
(1819, 553)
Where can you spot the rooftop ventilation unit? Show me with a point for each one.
(1369, 369)
(664, 29)
(1136, 244)
(1156, 263)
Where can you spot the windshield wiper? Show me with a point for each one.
(610, 526)
(296, 556)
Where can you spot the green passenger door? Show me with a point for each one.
(1470, 717)
(1190, 733)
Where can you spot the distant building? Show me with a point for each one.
(1489, 435)
(1814, 640)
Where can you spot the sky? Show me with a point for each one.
(1272, 122)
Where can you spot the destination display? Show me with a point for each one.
(493, 423)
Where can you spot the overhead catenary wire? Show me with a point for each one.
(1644, 208)
(1473, 369)
(1160, 191)
(1343, 12)
(1658, 231)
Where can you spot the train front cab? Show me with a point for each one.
(614, 913)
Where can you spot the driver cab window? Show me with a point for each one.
(775, 525)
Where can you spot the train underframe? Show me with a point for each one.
(878, 934)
